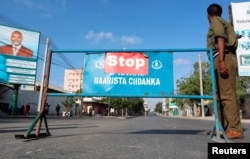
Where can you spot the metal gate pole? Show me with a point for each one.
(217, 125)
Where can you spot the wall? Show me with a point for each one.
(31, 98)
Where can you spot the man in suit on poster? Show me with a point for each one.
(16, 48)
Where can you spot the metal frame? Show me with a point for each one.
(217, 125)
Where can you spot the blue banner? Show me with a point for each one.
(17, 70)
(156, 81)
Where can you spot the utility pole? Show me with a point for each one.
(201, 86)
(43, 75)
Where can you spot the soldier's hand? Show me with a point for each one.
(239, 36)
(223, 69)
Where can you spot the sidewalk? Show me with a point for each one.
(243, 119)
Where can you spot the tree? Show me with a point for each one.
(68, 103)
(79, 91)
(243, 83)
(133, 105)
(158, 107)
(191, 85)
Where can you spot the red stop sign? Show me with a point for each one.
(126, 63)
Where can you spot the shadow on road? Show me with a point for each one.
(166, 131)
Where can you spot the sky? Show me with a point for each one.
(113, 24)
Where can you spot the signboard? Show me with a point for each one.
(172, 105)
(130, 63)
(18, 55)
(131, 74)
(241, 22)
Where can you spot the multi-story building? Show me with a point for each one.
(73, 79)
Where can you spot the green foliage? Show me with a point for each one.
(191, 85)
(242, 84)
(79, 91)
(134, 105)
(158, 107)
(68, 103)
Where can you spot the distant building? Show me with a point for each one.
(73, 79)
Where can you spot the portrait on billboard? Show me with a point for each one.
(18, 55)
(18, 42)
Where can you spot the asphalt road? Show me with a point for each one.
(151, 137)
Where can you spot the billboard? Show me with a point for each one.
(18, 55)
(129, 74)
(241, 23)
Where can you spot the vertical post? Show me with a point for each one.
(126, 114)
(230, 14)
(80, 105)
(201, 87)
(43, 75)
(14, 99)
(217, 125)
(44, 97)
(109, 107)
(195, 109)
